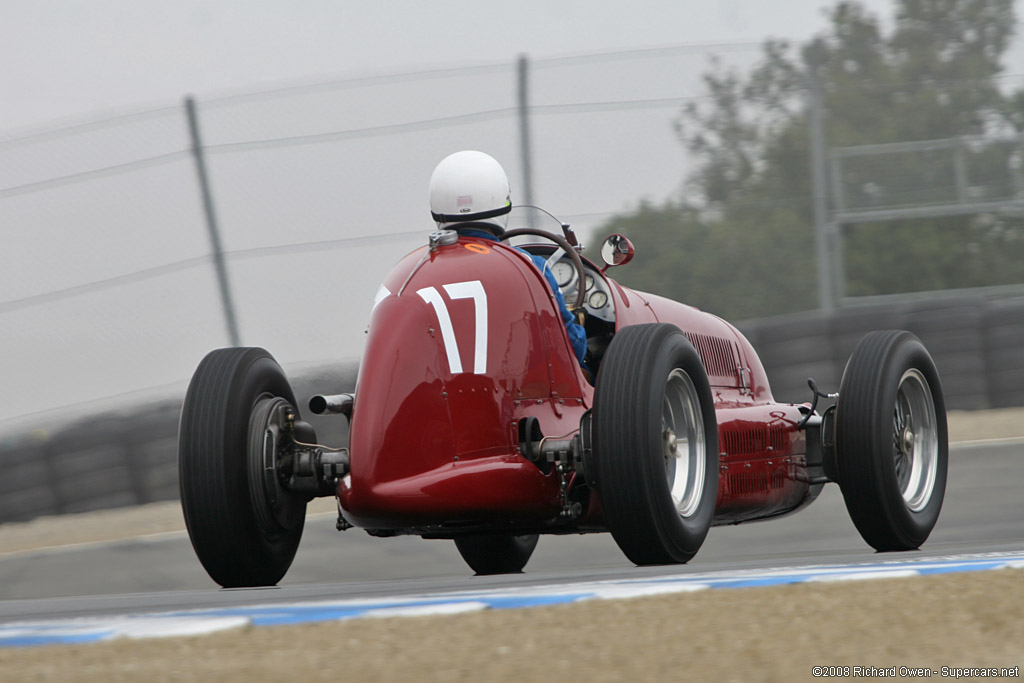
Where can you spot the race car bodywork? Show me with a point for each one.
(449, 449)
(473, 421)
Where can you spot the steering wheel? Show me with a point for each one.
(567, 248)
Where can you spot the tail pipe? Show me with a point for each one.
(336, 403)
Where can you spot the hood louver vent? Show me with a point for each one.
(753, 440)
(719, 355)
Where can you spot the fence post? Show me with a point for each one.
(524, 137)
(960, 172)
(825, 233)
(211, 222)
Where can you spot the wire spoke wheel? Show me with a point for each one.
(917, 439)
(683, 436)
(497, 554)
(244, 526)
(655, 444)
(891, 440)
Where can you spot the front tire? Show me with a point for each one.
(487, 555)
(655, 444)
(891, 440)
(244, 527)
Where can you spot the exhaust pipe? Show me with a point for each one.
(337, 403)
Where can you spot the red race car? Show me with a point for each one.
(472, 420)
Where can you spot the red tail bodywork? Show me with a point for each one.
(466, 341)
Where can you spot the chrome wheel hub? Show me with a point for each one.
(908, 442)
(683, 443)
(671, 444)
(915, 440)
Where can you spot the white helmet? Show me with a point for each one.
(470, 186)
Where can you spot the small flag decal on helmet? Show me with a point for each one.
(465, 200)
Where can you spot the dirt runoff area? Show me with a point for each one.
(780, 633)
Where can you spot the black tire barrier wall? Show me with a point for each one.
(126, 458)
(130, 458)
(1004, 353)
(977, 345)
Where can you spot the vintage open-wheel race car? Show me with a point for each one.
(473, 421)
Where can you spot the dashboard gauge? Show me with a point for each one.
(589, 281)
(563, 272)
(598, 299)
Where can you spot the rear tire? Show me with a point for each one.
(891, 440)
(655, 444)
(244, 527)
(496, 554)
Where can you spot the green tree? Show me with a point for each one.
(739, 241)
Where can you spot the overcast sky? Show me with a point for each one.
(70, 58)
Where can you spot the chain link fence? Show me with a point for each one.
(109, 294)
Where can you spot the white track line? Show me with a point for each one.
(193, 622)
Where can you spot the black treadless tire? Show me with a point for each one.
(238, 544)
(496, 554)
(643, 367)
(891, 440)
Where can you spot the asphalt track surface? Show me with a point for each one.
(983, 512)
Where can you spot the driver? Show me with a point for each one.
(469, 194)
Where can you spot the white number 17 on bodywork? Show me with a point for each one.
(474, 290)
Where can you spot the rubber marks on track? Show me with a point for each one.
(199, 622)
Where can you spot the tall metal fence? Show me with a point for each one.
(108, 291)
